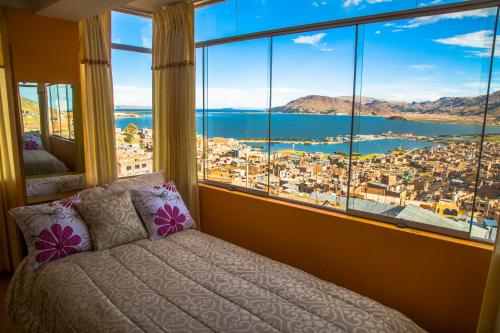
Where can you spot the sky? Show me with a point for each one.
(407, 60)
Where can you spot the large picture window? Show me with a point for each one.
(394, 120)
(132, 86)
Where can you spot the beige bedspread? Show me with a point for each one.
(188, 282)
(41, 162)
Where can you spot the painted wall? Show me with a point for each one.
(46, 50)
(43, 49)
(437, 281)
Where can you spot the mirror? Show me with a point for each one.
(52, 146)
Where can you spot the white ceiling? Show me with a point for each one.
(76, 10)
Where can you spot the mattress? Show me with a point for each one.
(187, 282)
(41, 162)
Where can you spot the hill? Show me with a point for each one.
(456, 109)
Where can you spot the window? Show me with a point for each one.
(418, 130)
(60, 106)
(29, 102)
(383, 120)
(309, 162)
(237, 17)
(237, 118)
(132, 85)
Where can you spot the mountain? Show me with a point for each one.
(29, 106)
(446, 106)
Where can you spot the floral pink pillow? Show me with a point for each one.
(32, 141)
(52, 230)
(162, 210)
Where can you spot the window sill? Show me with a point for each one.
(354, 219)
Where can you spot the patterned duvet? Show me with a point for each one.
(41, 162)
(187, 282)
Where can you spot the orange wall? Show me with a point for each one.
(437, 281)
(43, 49)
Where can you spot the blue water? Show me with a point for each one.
(365, 147)
(245, 124)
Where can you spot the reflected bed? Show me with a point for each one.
(41, 162)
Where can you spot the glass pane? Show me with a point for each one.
(419, 118)
(311, 116)
(30, 107)
(132, 86)
(237, 110)
(236, 17)
(199, 114)
(487, 205)
(60, 103)
(215, 21)
(131, 30)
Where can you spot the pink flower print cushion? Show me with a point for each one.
(162, 210)
(52, 231)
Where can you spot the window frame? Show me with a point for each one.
(356, 21)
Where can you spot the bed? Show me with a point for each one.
(187, 282)
(38, 186)
(41, 162)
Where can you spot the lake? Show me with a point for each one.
(251, 124)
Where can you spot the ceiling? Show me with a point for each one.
(76, 10)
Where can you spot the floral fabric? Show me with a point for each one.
(32, 141)
(162, 210)
(52, 230)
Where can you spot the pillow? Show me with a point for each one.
(112, 221)
(52, 230)
(150, 179)
(162, 210)
(32, 141)
(121, 185)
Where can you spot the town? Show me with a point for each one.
(433, 185)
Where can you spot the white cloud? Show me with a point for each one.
(421, 67)
(311, 39)
(147, 42)
(478, 39)
(317, 4)
(397, 30)
(420, 21)
(348, 3)
(389, 24)
(132, 95)
(378, 32)
(314, 40)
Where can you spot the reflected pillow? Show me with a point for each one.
(52, 230)
(112, 220)
(162, 210)
(32, 141)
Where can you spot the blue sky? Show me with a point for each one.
(407, 60)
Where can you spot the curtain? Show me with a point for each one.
(489, 320)
(11, 185)
(174, 136)
(97, 100)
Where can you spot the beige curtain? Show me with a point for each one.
(489, 320)
(174, 136)
(97, 100)
(11, 185)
